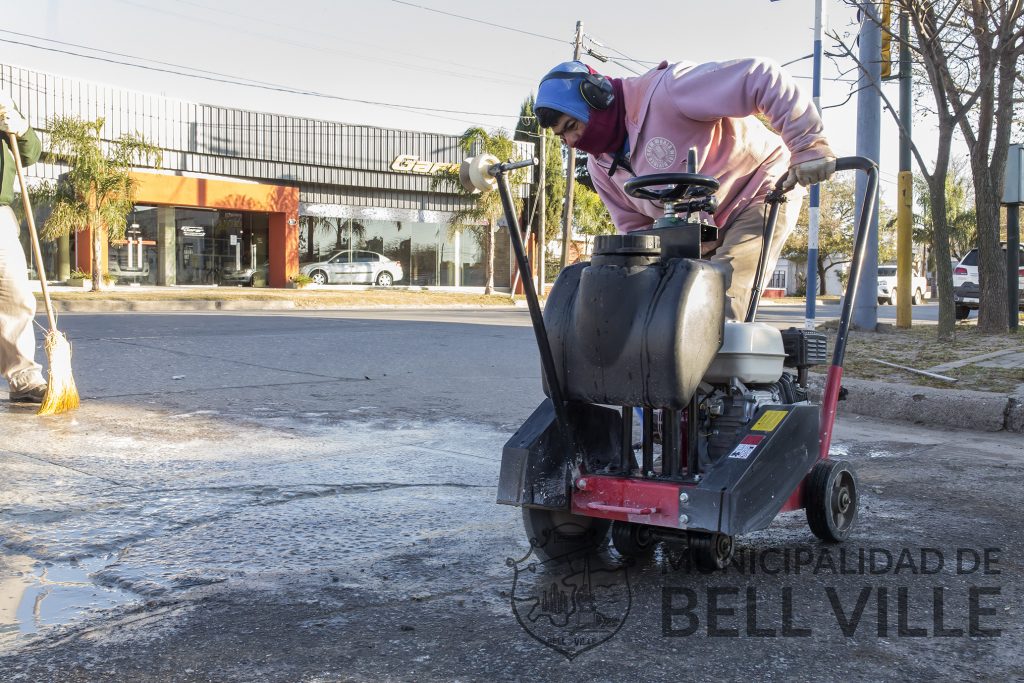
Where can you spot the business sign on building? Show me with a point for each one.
(410, 163)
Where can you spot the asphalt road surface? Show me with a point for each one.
(310, 497)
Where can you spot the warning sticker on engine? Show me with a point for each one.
(743, 451)
(769, 421)
(746, 447)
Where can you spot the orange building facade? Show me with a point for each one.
(276, 205)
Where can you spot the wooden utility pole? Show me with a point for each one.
(570, 171)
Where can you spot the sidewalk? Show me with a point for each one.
(897, 397)
(213, 298)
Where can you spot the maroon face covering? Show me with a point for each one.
(606, 130)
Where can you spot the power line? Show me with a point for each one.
(285, 128)
(592, 38)
(481, 21)
(475, 70)
(121, 54)
(244, 82)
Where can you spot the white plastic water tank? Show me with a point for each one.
(751, 352)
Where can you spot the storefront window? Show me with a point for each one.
(196, 260)
(240, 242)
(320, 237)
(132, 260)
(429, 255)
(208, 247)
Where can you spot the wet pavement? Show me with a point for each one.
(311, 497)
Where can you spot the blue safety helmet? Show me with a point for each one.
(561, 90)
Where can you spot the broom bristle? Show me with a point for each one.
(61, 392)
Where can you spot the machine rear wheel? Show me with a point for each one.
(831, 499)
(632, 540)
(961, 312)
(710, 552)
(559, 534)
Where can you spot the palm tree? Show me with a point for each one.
(313, 225)
(481, 217)
(98, 190)
(961, 216)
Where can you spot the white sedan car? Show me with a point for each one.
(352, 266)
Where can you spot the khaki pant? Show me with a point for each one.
(17, 310)
(740, 248)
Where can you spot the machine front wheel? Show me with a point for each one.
(830, 500)
(710, 552)
(558, 534)
(632, 540)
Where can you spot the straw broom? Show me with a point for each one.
(61, 392)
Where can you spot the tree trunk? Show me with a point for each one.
(97, 258)
(489, 267)
(821, 277)
(940, 251)
(992, 307)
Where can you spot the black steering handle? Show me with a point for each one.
(683, 186)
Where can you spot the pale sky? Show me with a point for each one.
(402, 54)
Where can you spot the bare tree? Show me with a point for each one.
(970, 52)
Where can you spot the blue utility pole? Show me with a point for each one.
(813, 210)
(869, 124)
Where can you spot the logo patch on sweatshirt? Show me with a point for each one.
(660, 153)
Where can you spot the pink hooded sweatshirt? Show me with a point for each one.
(711, 107)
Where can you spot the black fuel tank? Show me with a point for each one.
(634, 328)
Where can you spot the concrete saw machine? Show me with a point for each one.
(664, 421)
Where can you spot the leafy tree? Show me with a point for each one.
(480, 216)
(835, 229)
(970, 55)
(528, 130)
(589, 214)
(98, 190)
(960, 214)
(836, 217)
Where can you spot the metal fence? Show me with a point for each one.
(330, 162)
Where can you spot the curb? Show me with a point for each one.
(169, 305)
(108, 306)
(959, 409)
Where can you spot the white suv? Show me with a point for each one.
(965, 283)
(887, 286)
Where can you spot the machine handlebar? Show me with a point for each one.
(842, 164)
(512, 165)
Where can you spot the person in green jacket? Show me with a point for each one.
(17, 302)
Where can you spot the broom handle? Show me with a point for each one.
(36, 251)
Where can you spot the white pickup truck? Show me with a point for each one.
(887, 286)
